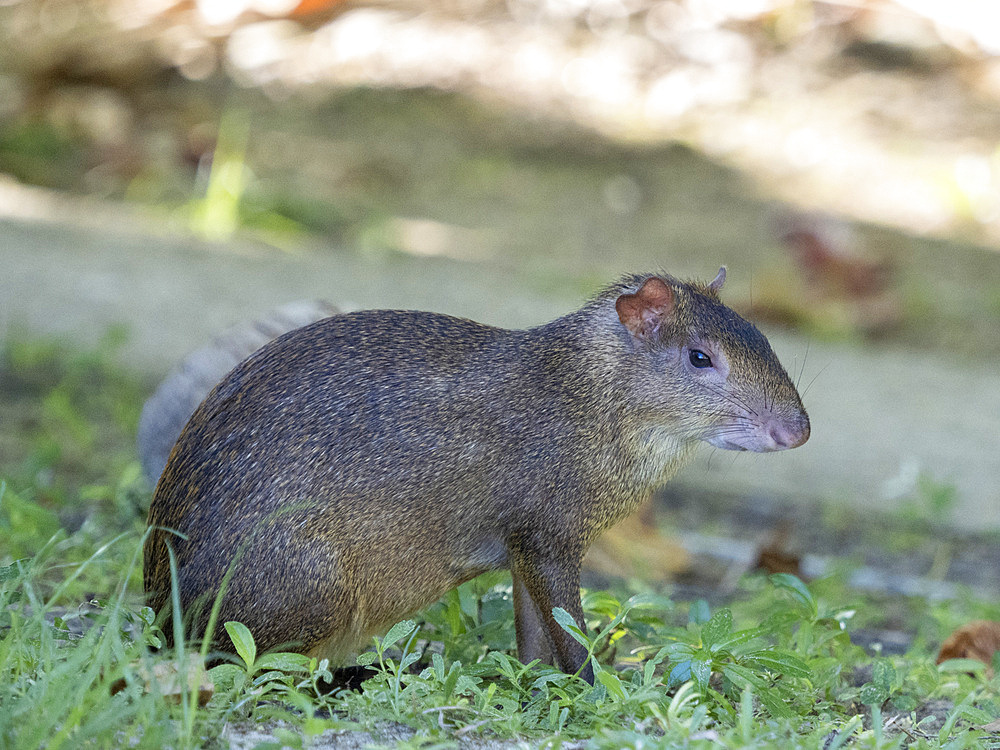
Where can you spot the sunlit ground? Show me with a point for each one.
(884, 111)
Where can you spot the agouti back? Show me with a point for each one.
(354, 470)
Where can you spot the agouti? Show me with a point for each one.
(355, 469)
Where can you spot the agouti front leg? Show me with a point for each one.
(540, 584)
(532, 638)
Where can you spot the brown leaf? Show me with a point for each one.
(978, 639)
(774, 557)
(637, 548)
(165, 676)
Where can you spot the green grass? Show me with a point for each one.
(774, 667)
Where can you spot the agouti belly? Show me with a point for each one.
(342, 576)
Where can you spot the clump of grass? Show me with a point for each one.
(56, 679)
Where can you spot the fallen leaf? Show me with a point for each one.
(165, 676)
(774, 557)
(979, 639)
(637, 548)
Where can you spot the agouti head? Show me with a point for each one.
(708, 371)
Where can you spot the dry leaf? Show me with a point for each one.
(774, 557)
(978, 639)
(165, 677)
(636, 548)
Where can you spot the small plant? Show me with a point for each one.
(394, 670)
(742, 660)
(255, 677)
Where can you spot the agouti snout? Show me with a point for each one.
(354, 470)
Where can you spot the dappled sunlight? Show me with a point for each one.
(883, 110)
(425, 237)
(809, 124)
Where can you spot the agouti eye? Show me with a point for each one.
(699, 359)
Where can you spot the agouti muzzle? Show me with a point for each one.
(354, 470)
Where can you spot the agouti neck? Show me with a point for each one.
(582, 364)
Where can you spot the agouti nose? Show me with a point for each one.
(790, 433)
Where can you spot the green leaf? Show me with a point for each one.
(679, 673)
(453, 612)
(744, 677)
(240, 635)
(10, 572)
(508, 667)
(780, 662)
(468, 600)
(610, 681)
(551, 677)
(717, 628)
(775, 705)
(884, 674)
(558, 720)
(872, 694)
(602, 603)
(437, 665)
(313, 726)
(567, 623)
(367, 658)
(852, 726)
(651, 664)
(288, 738)
(408, 659)
(31, 520)
(285, 661)
(953, 666)
(451, 680)
(966, 709)
(397, 632)
(740, 638)
(745, 716)
(615, 622)
(799, 591)
(701, 670)
(649, 600)
(272, 675)
(224, 675)
(905, 703)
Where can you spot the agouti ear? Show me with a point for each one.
(645, 311)
(716, 284)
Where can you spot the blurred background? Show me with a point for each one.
(168, 169)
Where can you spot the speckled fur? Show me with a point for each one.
(354, 470)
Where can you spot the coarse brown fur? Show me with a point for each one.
(354, 470)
